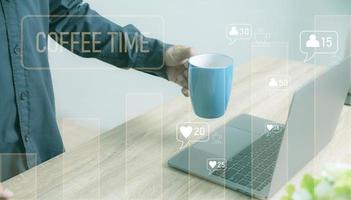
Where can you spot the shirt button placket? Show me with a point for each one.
(20, 80)
(26, 138)
(17, 50)
(23, 96)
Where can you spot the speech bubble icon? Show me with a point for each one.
(278, 82)
(273, 127)
(317, 42)
(188, 132)
(235, 32)
(214, 164)
(309, 56)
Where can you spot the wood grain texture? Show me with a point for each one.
(130, 161)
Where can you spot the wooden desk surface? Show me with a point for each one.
(130, 161)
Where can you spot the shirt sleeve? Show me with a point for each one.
(84, 32)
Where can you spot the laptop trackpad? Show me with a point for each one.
(225, 142)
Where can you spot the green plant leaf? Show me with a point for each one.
(290, 189)
(308, 183)
(335, 186)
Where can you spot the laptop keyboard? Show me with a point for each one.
(253, 167)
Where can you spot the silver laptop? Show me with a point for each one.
(258, 161)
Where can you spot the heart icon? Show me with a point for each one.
(212, 163)
(186, 131)
(270, 127)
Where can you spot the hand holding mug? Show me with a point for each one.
(176, 60)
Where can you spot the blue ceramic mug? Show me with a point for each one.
(210, 84)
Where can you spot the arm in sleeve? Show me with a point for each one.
(90, 35)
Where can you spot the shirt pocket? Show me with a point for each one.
(10, 136)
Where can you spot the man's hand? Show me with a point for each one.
(176, 60)
(5, 194)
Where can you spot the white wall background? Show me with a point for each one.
(100, 93)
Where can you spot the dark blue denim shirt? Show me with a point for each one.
(29, 134)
